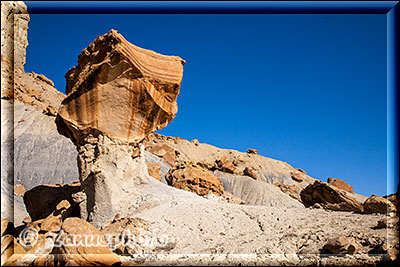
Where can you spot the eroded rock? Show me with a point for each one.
(193, 178)
(340, 184)
(376, 204)
(120, 90)
(329, 198)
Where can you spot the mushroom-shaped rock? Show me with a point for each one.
(120, 90)
(116, 95)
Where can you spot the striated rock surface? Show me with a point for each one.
(193, 178)
(340, 184)
(328, 197)
(256, 192)
(120, 90)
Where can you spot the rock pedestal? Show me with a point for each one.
(117, 94)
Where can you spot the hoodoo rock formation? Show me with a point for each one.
(117, 95)
(120, 90)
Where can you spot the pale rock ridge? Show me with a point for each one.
(140, 86)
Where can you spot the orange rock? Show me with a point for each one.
(193, 178)
(81, 244)
(19, 190)
(123, 91)
(297, 176)
(376, 204)
(340, 184)
(154, 170)
(225, 165)
(247, 171)
(328, 197)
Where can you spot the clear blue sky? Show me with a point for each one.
(309, 90)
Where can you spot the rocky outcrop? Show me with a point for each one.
(33, 152)
(42, 200)
(291, 190)
(117, 94)
(376, 204)
(247, 171)
(328, 197)
(193, 178)
(340, 184)
(165, 152)
(225, 165)
(14, 31)
(138, 85)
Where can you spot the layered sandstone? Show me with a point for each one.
(120, 90)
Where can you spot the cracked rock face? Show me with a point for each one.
(120, 90)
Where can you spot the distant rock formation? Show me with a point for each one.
(117, 95)
(328, 197)
(340, 184)
(120, 90)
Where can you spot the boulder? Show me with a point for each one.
(42, 200)
(297, 176)
(154, 170)
(393, 198)
(339, 245)
(53, 222)
(376, 204)
(225, 165)
(193, 178)
(74, 248)
(120, 90)
(247, 171)
(329, 198)
(340, 184)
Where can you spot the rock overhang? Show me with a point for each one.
(120, 90)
